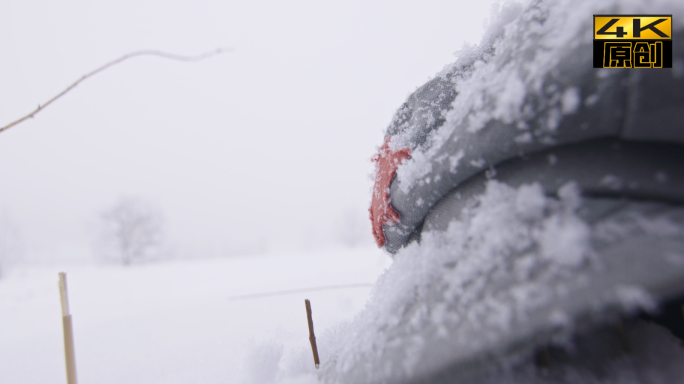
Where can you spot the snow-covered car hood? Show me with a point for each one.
(523, 262)
(528, 87)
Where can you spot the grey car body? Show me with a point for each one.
(533, 110)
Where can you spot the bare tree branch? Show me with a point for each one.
(164, 55)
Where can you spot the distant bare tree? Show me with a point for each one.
(10, 245)
(132, 231)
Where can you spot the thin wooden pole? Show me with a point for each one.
(312, 337)
(68, 331)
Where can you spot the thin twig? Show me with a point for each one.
(164, 55)
(290, 291)
(312, 337)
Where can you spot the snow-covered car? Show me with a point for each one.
(533, 205)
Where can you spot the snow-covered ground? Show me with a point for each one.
(180, 321)
(201, 321)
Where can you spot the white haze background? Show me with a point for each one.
(262, 150)
(265, 149)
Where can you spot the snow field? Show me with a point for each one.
(175, 322)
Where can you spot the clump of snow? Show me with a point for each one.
(633, 298)
(478, 163)
(454, 161)
(530, 202)
(459, 290)
(509, 100)
(570, 101)
(413, 169)
(591, 100)
(634, 223)
(565, 236)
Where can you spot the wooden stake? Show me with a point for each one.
(68, 331)
(312, 337)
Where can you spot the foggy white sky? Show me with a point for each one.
(264, 148)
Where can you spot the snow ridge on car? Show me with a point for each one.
(529, 87)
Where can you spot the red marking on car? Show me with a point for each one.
(381, 212)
